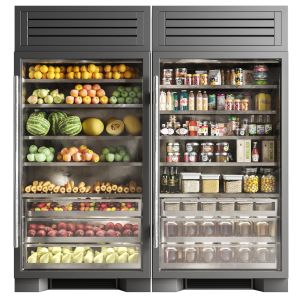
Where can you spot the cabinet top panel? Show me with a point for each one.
(82, 28)
(219, 28)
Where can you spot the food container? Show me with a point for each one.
(263, 206)
(167, 73)
(206, 157)
(262, 255)
(190, 206)
(171, 255)
(188, 79)
(173, 147)
(225, 254)
(190, 157)
(171, 229)
(172, 206)
(268, 182)
(208, 206)
(179, 81)
(222, 157)
(190, 255)
(208, 254)
(262, 228)
(222, 147)
(180, 72)
(207, 147)
(251, 181)
(210, 183)
(190, 182)
(244, 206)
(167, 81)
(196, 79)
(244, 104)
(243, 228)
(207, 228)
(190, 229)
(226, 228)
(173, 157)
(232, 183)
(244, 255)
(226, 206)
(192, 147)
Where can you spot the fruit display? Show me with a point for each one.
(87, 94)
(98, 187)
(37, 124)
(92, 126)
(126, 95)
(83, 206)
(54, 118)
(82, 153)
(115, 154)
(78, 255)
(85, 72)
(115, 127)
(132, 124)
(40, 154)
(94, 229)
(45, 96)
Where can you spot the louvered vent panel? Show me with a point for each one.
(201, 28)
(75, 29)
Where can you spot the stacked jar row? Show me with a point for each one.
(222, 254)
(220, 228)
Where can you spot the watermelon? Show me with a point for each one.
(70, 125)
(54, 118)
(37, 125)
(41, 114)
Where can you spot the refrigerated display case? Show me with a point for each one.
(220, 130)
(82, 204)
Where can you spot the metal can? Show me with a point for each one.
(179, 80)
(180, 72)
(173, 147)
(167, 73)
(211, 102)
(173, 157)
(196, 79)
(220, 101)
(188, 79)
(239, 76)
(192, 147)
(183, 102)
(167, 81)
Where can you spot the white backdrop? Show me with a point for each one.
(6, 170)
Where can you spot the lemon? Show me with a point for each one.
(50, 75)
(77, 75)
(70, 75)
(31, 75)
(38, 75)
(76, 69)
(31, 69)
(37, 67)
(51, 69)
(57, 75)
(83, 68)
(69, 69)
(44, 69)
(57, 69)
(116, 75)
(85, 75)
(91, 68)
(122, 68)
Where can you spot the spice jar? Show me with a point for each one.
(210, 183)
(222, 147)
(190, 182)
(268, 182)
(251, 181)
(222, 157)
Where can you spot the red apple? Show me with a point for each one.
(52, 233)
(135, 227)
(136, 233)
(41, 233)
(48, 228)
(109, 225)
(89, 227)
(127, 232)
(100, 232)
(128, 226)
(62, 225)
(110, 233)
(70, 233)
(32, 226)
(71, 227)
(79, 232)
(31, 232)
(80, 226)
(41, 227)
(118, 227)
(62, 233)
(95, 100)
(54, 226)
(89, 233)
(118, 233)
(101, 226)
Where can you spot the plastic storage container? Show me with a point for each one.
(232, 183)
(210, 183)
(190, 182)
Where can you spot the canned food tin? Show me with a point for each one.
(222, 147)
(167, 73)
(173, 147)
(207, 147)
(180, 72)
(192, 147)
(173, 157)
(206, 157)
(167, 81)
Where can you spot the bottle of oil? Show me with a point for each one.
(164, 181)
(177, 189)
(172, 181)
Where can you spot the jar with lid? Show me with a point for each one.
(268, 182)
(190, 229)
(173, 147)
(188, 79)
(166, 81)
(192, 147)
(232, 183)
(173, 157)
(245, 105)
(222, 147)
(171, 254)
(210, 183)
(180, 72)
(226, 228)
(207, 147)
(190, 255)
(237, 104)
(208, 254)
(206, 157)
(196, 79)
(171, 229)
(252, 127)
(167, 73)
(251, 181)
(222, 157)
(226, 254)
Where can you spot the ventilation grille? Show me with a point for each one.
(212, 284)
(82, 29)
(217, 28)
(80, 284)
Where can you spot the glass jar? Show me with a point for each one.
(166, 81)
(222, 157)
(173, 147)
(245, 105)
(207, 147)
(206, 157)
(237, 104)
(196, 79)
(190, 229)
(167, 73)
(190, 182)
(222, 147)
(251, 181)
(192, 147)
(268, 182)
(180, 72)
(228, 104)
(190, 255)
(171, 254)
(210, 183)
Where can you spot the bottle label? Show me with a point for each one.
(268, 129)
(260, 129)
(255, 157)
(252, 129)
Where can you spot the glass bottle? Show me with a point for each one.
(222, 77)
(171, 181)
(183, 103)
(260, 126)
(199, 101)
(163, 101)
(191, 101)
(204, 101)
(164, 181)
(254, 153)
(232, 77)
(227, 78)
(268, 125)
(169, 101)
(252, 126)
(176, 102)
(177, 188)
(245, 126)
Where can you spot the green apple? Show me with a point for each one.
(136, 100)
(58, 99)
(120, 88)
(40, 101)
(137, 89)
(122, 153)
(41, 149)
(113, 100)
(105, 151)
(126, 158)
(128, 89)
(30, 157)
(112, 149)
(128, 100)
(50, 157)
(46, 151)
(52, 150)
(33, 149)
(121, 100)
(116, 93)
(124, 94)
(40, 157)
(118, 157)
(132, 94)
(110, 157)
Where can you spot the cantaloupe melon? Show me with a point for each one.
(115, 127)
(133, 124)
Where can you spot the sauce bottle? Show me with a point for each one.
(172, 181)
(199, 102)
(191, 101)
(254, 153)
(164, 181)
(169, 101)
(232, 77)
(163, 101)
(204, 101)
(176, 181)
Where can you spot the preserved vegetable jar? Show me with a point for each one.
(251, 181)
(188, 79)
(207, 147)
(180, 72)
(237, 104)
(196, 79)
(268, 182)
(228, 103)
(222, 157)
(192, 147)
(245, 105)
(222, 147)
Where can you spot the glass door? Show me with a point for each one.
(219, 164)
(82, 156)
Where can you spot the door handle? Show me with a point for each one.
(16, 159)
(156, 181)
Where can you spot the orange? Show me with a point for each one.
(116, 75)
(108, 75)
(107, 68)
(122, 68)
(127, 74)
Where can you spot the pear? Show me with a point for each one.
(131, 250)
(44, 259)
(66, 250)
(89, 257)
(111, 258)
(56, 259)
(123, 258)
(55, 250)
(66, 258)
(133, 258)
(32, 259)
(78, 257)
(98, 259)
(79, 250)
(121, 250)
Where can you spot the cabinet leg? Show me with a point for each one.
(31, 284)
(135, 285)
(167, 285)
(271, 285)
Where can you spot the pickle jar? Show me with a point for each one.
(251, 181)
(268, 182)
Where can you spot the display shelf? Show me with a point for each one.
(80, 197)
(216, 239)
(83, 137)
(87, 81)
(82, 106)
(219, 87)
(82, 164)
(218, 112)
(85, 239)
(232, 214)
(221, 195)
(104, 266)
(216, 164)
(205, 138)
